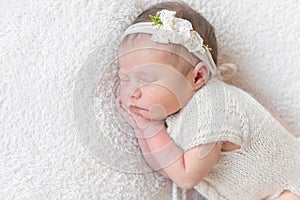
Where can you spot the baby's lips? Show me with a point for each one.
(136, 110)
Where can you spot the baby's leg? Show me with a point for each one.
(288, 195)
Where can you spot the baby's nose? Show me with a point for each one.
(136, 93)
(134, 96)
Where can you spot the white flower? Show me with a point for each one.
(167, 17)
(178, 31)
(195, 43)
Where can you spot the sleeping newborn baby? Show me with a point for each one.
(218, 140)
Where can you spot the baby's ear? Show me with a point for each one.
(200, 75)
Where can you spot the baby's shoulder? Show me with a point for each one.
(218, 89)
(244, 103)
(244, 98)
(220, 97)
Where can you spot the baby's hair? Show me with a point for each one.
(199, 23)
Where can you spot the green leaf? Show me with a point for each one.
(207, 48)
(156, 20)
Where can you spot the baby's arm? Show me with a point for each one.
(188, 170)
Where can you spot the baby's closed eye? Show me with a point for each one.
(146, 76)
(149, 79)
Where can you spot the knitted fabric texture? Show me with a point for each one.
(267, 162)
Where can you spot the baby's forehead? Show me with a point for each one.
(147, 60)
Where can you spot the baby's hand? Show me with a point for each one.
(146, 128)
(139, 120)
(143, 127)
(124, 113)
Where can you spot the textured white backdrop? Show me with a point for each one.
(44, 44)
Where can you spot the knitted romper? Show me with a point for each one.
(268, 161)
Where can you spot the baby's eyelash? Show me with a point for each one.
(149, 78)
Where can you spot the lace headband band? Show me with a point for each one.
(169, 29)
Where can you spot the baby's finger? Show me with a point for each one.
(124, 113)
(140, 121)
(119, 106)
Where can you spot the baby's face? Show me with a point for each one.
(151, 87)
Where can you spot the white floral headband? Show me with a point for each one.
(169, 29)
(180, 31)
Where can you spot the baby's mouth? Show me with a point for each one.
(137, 108)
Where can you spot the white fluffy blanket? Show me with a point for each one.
(43, 47)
